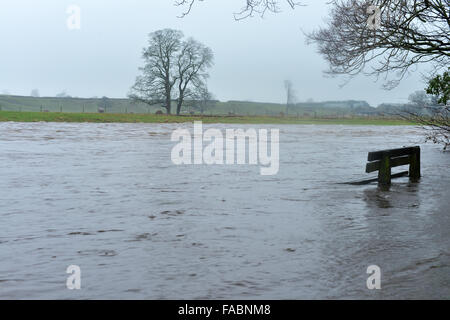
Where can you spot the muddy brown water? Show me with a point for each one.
(106, 197)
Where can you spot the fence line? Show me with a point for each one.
(86, 108)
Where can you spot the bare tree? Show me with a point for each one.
(155, 84)
(171, 63)
(290, 95)
(250, 8)
(193, 62)
(378, 37)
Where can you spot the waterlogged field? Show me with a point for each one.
(107, 198)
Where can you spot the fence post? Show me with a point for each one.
(384, 174)
(414, 166)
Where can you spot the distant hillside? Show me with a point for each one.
(391, 109)
(69, 104)
(109, 105)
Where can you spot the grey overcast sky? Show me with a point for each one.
(252, 57)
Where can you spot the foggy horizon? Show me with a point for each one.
(103, 57)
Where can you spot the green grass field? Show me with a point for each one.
(152, 118)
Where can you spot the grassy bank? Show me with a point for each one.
(151, 118)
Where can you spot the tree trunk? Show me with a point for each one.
(168, 104)
(180, 98)
(179, 104)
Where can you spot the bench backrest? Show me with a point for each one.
(397, 157)
(377, 155)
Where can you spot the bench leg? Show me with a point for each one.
(384, 174)
(414, 166)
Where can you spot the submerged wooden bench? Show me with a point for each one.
(382, 161)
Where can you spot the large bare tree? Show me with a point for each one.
(171, 63)
(155, 84)
(385, 37)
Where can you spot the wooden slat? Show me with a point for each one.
(377, 155)
(394, 162)
(372, 166)
(400, 161)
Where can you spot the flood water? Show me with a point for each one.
(107, 198)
